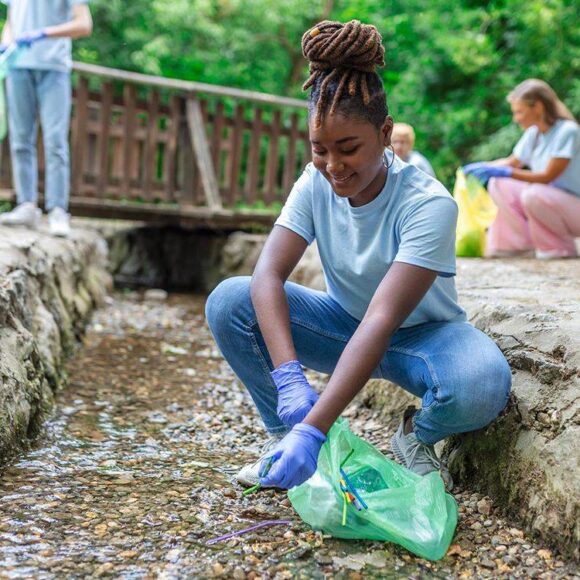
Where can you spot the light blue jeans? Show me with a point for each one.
(459, 373)
(46, 94)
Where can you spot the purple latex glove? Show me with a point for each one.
(29, 38)
(295, 395)
(295, 457)
(3, 48)
(485, 172)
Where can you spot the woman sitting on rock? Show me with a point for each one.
(539, 207)
(386, 236)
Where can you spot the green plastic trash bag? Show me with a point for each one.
(403, 507)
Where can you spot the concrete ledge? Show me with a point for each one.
(48, 289)
(527, 460)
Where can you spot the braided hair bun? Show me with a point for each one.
(344, 56)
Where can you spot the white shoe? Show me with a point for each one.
(249, 475)
(554, 254)
(59, 222)
(24, 214)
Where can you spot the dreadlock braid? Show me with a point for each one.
(342, 56)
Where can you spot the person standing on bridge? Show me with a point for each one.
(40, 86)
(386, 237)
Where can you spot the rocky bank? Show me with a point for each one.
(48, 289)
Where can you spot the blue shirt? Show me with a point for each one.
(418, 160)
(29, 15)
(562, 140)
(412, 220)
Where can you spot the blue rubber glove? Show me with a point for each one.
(295, 457)
(295, 395)
(3, 48)
(467, 169)
(485, 172)
(29, 38)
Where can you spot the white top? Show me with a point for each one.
(418, 160)
(561, 141)
(31, 15)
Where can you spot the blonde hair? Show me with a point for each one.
(404, 129)
(533, 90)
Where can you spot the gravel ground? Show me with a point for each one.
(135, 473)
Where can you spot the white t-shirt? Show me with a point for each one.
(562, 140)
(412, 220)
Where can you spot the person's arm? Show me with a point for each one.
(79, 26)
(281, 253)
(398, 294)
(555, 168)
(511, 161)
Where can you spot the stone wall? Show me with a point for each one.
(48, 289)
(527, 459)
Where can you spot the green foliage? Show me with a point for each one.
(449, 65)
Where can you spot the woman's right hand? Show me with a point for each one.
(295, 395)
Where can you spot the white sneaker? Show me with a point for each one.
(249, 475)
(24, 214)
(59, 222)
(554, 254)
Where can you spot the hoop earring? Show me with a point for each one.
(388, 166)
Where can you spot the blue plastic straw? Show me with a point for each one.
(352, 489)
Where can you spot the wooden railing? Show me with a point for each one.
(149, 147)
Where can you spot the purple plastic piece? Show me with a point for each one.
(250, 529)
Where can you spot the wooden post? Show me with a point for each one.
(79, 135)
(129, 101)
(105, 129)
(170, 160)
(290, 165)
(202, 153)
(151, 144)
(272, 162)
(253, 167)
(236, 155)
(216, 138)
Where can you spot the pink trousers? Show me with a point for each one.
(533, 216)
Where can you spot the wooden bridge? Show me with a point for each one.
(177, 152)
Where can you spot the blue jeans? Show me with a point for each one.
(459, 373)
(45, 94)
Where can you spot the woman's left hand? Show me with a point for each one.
(485, 172)
(294, 459)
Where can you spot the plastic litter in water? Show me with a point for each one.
(265, 524)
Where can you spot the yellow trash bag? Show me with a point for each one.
(476, 213)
